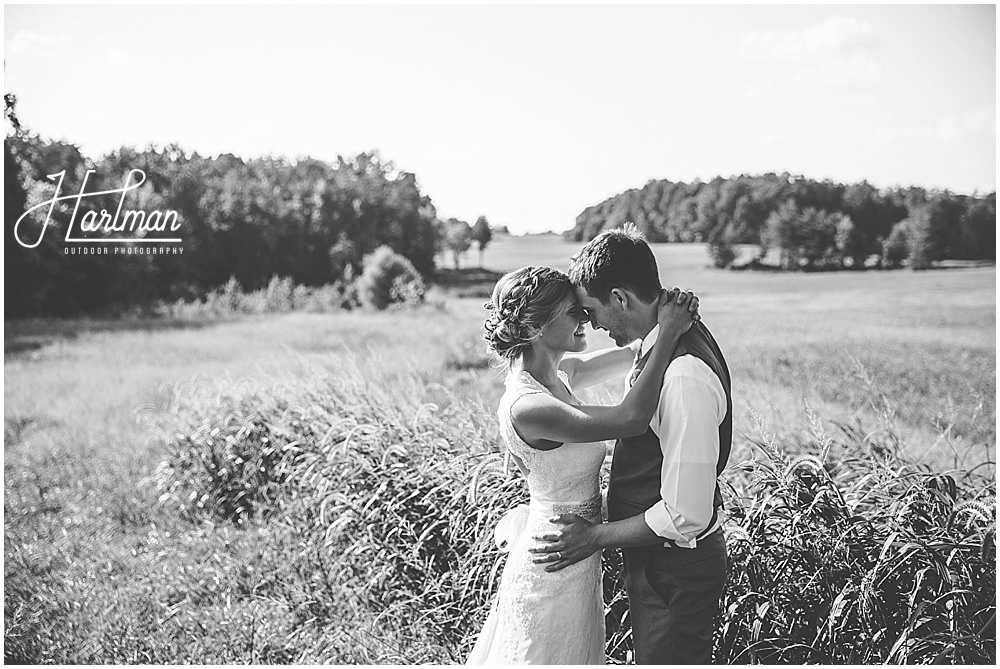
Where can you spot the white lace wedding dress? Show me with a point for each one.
(542, 617)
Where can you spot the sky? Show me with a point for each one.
(527, 114)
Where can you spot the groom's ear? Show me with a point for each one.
(620, 297)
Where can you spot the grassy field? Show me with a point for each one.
(100, 566)
(924, 340)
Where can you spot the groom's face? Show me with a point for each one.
(607, 316)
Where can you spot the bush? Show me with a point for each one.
(226, 459)
(389, 278)
(229, 298)
(278, 296)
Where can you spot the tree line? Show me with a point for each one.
(811, 224)
(308, 220)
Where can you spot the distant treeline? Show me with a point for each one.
(814, 224)
(308, 220)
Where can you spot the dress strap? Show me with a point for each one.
(518, 385)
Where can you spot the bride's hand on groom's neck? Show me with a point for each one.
(677, 311)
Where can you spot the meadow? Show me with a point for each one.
(321, 487)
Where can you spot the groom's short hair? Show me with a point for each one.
(617, 258)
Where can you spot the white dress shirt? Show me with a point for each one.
(692, 406)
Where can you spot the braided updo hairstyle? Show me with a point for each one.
(524, 301)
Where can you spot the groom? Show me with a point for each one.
(664, 502)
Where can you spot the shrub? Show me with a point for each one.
(229, 298)
(228, 456)
(389, 278)
(278, 296)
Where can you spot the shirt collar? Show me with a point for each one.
(650, 339)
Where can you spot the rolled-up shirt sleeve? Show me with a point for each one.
(692, 406)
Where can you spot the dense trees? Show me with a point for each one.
(813, 224)
(309, 220)
(242, 221)
(314, 222)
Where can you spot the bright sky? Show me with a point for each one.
(527, 115)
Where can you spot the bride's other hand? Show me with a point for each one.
(678, 310)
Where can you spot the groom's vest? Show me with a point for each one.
(634, 485)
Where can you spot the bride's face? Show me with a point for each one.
(566, 332)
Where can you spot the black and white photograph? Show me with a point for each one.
(492, 334)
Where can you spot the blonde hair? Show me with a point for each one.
(524, 301)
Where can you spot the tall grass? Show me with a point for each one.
(337, 517)
(377, 485)
(858, 558)
(850, 555)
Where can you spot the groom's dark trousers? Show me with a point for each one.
(673, 592)
(673, 599)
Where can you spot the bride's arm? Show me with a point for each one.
(540, 418)
(588, 369)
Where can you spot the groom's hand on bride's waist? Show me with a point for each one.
(559, 549)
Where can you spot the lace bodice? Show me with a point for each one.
(568, 473)
(541, 617)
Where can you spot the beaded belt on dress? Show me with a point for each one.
(514, 521)
(586, 509)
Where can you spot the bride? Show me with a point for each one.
(536, 325)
